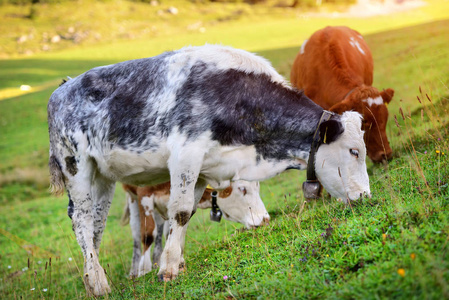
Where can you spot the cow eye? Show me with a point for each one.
(243, 190)
(354, 152)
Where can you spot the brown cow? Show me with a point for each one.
(335, 69)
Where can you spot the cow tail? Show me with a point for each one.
(126, 215)
(56, 177)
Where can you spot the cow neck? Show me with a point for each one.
(316, 142)
(275, 118)
(293, 129)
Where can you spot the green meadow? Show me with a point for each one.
(393, 245)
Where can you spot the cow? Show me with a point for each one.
(146, 212)
(334, 67)
(195, 116)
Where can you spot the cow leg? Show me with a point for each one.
(182, 263)
(147, 229)
(134, 221)
(83, 219)
(199, 192)
(103, 193)
(166, 229)
(184, 197)
(160, 230)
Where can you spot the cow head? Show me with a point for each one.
(241, 202)
(372, 104)
(340, 163)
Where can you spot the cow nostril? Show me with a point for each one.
(266, 221)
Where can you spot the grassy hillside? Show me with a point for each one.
(48, 27)
(404, 60)
(393, 245)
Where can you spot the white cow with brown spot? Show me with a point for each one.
(146, 212)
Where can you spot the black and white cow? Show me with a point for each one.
(195, 116)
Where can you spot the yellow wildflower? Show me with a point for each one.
(401, 272)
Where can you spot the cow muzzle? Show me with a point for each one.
(381, 156)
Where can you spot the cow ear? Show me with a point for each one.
(387, 95)
(225, 193)
(330, 131)
(207, 195)
(341, 107)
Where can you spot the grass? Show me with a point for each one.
(401, 63)
(391, 246)
(95, 22)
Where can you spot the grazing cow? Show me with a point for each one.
(335, 69)
(146, 211)
(195, 116)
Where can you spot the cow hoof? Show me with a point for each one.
(166, 277)
(96, 283)
(182, 267)
(144, 269)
